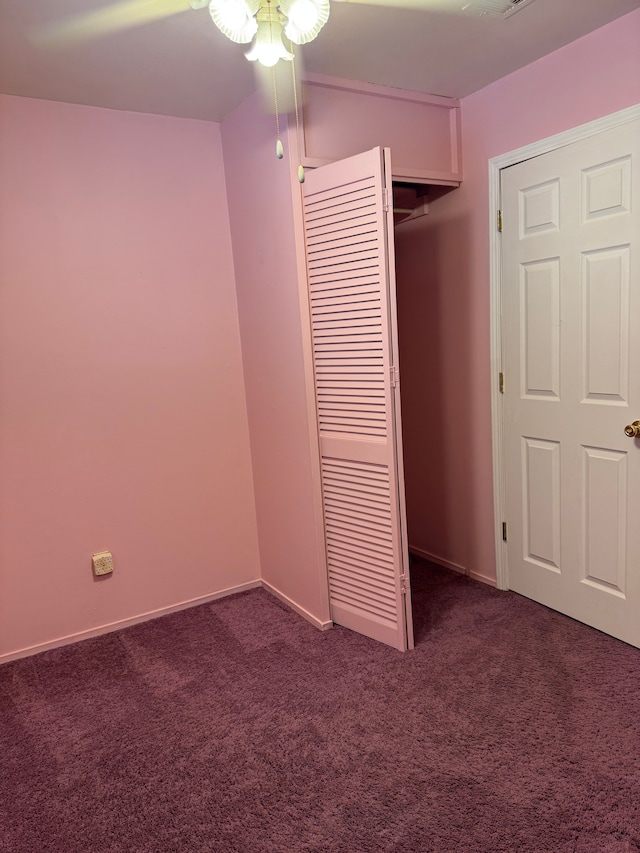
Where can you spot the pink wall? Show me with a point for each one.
(433, 325)
(262, 223)
(585, 80)
(123, 422)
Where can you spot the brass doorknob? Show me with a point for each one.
(633, 430)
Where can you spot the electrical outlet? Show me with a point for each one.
(102, 563)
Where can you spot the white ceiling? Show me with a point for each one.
(183, 66)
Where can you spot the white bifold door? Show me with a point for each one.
(349, 237)
(571, 332)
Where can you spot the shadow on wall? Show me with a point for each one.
(434, 324)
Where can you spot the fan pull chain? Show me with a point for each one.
(295, 101)
(279, 148)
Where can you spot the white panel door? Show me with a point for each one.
(571, 331)
(349, 236)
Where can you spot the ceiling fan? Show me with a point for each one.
(263, 22)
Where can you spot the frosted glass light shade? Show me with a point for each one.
(305, 18)
(268, 47)
(235, 18)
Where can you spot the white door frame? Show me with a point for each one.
(527, 152)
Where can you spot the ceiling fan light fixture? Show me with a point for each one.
(268, 21)
(268, 47)
(235, 18)
(305, 18)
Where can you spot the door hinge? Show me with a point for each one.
(403, 584)
(386, 201)
(394, 377)
(501, 381)
(504, 531)
(500, 221)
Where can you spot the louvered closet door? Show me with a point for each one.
(349, 238)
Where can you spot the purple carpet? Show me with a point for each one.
(236, 726)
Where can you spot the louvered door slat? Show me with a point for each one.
(351, 402)
(327, 196)
(349, 291)
(360, 339)
(347, 576)
(350, 387)
(330, 228)
(358, 194)
(352, 320)
(328, 289)
(374, 519)
(343, 295)
(374, 491)
(358, 244)
(344, 350)
(328, 217)
(352, 569)
(358, 247)
(347, 302)
(346, 235)
(352, 261)
(364, 534)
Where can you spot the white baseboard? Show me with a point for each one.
(455, 567)
(194, 602)
(476, 576)
(317, 623)
(440, 561)
(125, 623)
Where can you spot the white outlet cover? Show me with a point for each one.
(102, 563)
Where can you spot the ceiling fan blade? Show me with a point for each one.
(452, 6)
(107, 20)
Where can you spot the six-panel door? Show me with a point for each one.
(571, 331)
